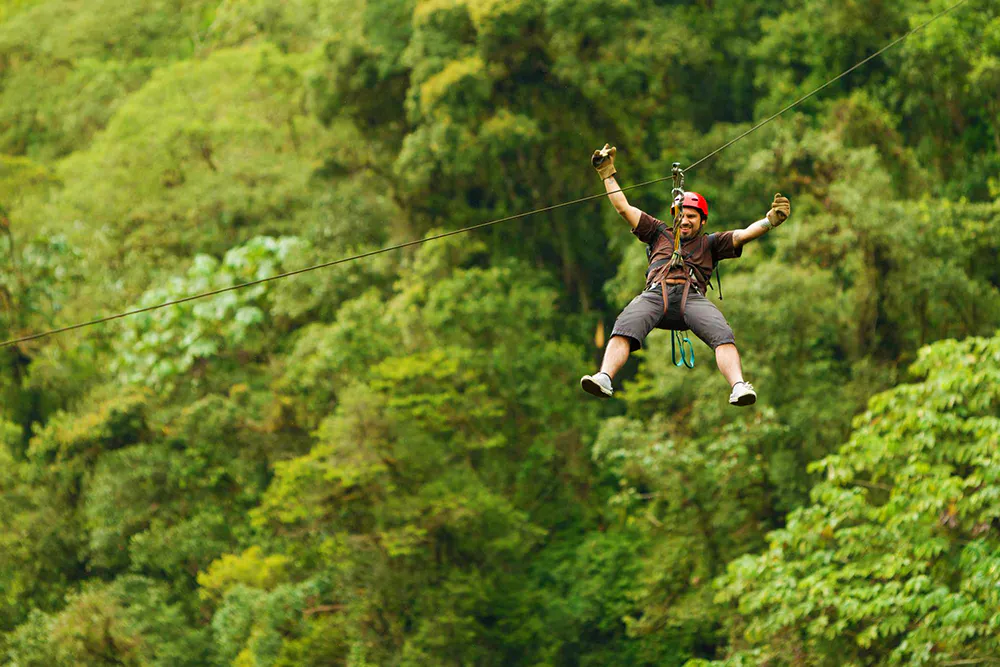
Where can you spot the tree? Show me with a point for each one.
(416, 493)
(896, 558)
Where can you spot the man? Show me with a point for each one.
(674, 297)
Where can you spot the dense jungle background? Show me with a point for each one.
(390, 462)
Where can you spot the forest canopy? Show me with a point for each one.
(390, 461)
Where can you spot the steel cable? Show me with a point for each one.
(345, 260)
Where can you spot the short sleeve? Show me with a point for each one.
(723, 247)
(645, 231)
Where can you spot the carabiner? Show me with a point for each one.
(678, 176)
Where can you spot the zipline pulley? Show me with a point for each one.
(677, 260)
(678, 175)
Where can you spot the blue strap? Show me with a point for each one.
(678, 340)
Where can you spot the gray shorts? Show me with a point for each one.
(645, 313)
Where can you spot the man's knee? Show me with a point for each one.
(625, 343)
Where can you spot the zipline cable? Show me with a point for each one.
(436, 237)
(833, 80)
(305, 270)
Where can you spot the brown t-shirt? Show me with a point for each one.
(702, 252)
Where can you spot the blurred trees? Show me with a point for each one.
(389, 461)
(897, 554)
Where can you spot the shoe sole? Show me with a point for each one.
(593, 388)
(744, 400)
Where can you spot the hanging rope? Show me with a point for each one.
(678, 339)
(484, 224)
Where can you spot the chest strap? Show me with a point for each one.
(660, 263)
(657, 264)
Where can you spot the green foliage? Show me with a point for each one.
(210, 153)
(119, 493)
(18, 176)
(160, 346)
(295, 25)
(389, 461)
(697, 503)
(66, 71)
(129, 622)
(283, 627)
(42, 535)
(35, 279)
(936, 80)
(896, 556)
(37, 542)
(408, 472)
(70, 106)
(111, 424)
(248, 568)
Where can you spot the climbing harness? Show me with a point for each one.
(352, 258)
(681, 347)
(677, 261)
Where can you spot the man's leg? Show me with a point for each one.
(710, 326)
(615, 355)
(631, 328)
(728, 359)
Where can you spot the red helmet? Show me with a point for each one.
(694, 200)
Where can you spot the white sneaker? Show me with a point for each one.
(743, 394)
(598, 384)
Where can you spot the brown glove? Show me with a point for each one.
(781, 208)
(604, 161)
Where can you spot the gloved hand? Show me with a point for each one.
(604, 161)
(781, 208)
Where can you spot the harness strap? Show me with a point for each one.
(684, 296)
(687, 356)
(655, 265)
(663, 284)
(664, 265)
(660, 228)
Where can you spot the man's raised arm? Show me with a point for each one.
(781, 208)
(604, 162)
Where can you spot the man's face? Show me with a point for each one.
(690, 222)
